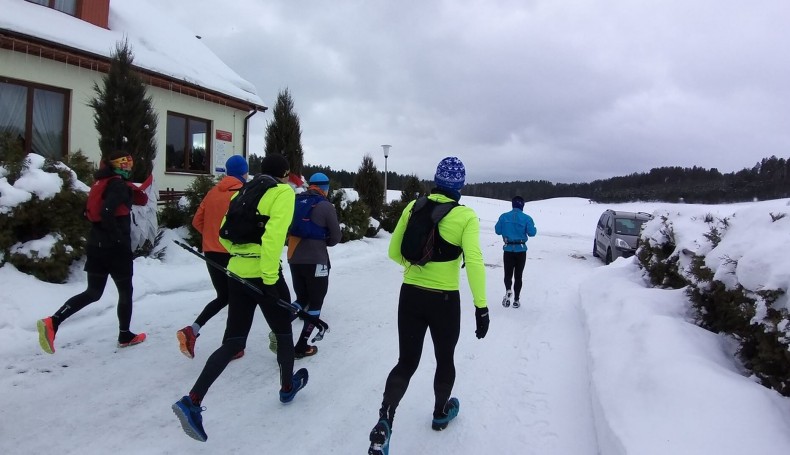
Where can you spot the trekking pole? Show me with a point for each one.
(322, 326)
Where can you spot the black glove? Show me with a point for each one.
(481, 318)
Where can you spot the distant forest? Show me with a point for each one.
(768, 179)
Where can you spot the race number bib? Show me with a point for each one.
(321, 270)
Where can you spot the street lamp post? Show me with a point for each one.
(386, 154)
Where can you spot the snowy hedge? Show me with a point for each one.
(736, 272)
(42, 229)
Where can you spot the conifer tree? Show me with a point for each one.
(369, 186)
(125, 119)
(124, 114)
(412, 189)
(254, 162)
(283, 133)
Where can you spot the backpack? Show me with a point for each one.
(422, 242)
(95, 203)
(302, 224)
(243, 223)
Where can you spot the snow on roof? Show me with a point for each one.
(159, 43)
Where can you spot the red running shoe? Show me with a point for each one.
(139, 338)
(46, 335)
(238, 355)
(186, 341)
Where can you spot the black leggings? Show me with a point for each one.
(242, 302)
(310, 292)
(514, 266)
(96, 285)
(220, 282)
(420, 309)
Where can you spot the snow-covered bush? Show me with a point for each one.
(42, 227)
(735, 271)
(353, 215)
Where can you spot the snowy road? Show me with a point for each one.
(523, 389)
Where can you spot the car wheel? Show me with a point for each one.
(595, 248)
(608, 256)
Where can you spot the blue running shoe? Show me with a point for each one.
(450, 412)
(191, 420)
(298, 382)
(380, 438)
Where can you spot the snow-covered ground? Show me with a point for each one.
(594, 362)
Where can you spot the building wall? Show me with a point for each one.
(82, 133)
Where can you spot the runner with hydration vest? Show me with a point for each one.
(314, 228)
(253, 232)
(430, 297)
(109, 249)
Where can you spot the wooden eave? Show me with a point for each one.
(53, 51)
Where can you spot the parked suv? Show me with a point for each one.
(617, 234)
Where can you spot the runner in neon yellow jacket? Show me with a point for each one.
(259, 265)
(430, 300)
(263, 261)
(460, 227)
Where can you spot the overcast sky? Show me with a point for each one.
(566, 91)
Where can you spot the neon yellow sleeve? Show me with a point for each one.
(278, 204)
(473, 256)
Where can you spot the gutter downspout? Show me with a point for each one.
(246, 147)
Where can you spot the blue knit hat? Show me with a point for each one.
(518, 202)
(236, 166)
(320, 180)
(450, 174)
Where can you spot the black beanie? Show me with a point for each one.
(275, 165)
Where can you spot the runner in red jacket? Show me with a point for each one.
(109, 250)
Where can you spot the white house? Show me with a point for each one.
(53, 51)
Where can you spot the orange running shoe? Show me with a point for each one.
(186, 341)
(46, 335)
(139, 338)
(310, 350)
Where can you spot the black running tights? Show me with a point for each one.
(96, 285)
(242, 302)
(220, 282)
(421, 309)
(310, 292)
(514, 268)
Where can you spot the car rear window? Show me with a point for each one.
(627, 226)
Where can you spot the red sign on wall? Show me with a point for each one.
(226, 136)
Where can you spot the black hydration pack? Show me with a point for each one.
(421, 240)
(243, 223)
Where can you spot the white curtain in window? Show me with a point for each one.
(48, 123)
(13, 106)
(67, 6)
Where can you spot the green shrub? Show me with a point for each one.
(760, 325)
(660, 260)
(354, 217)
(81, 165)
(59, 219)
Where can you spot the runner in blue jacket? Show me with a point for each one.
(515, 227)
